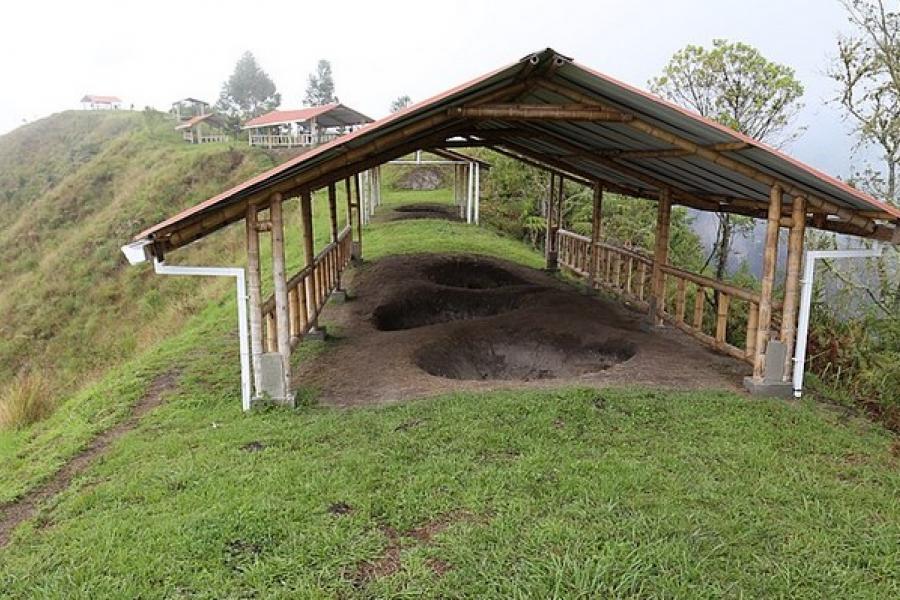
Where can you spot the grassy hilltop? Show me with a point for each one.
(563, 493)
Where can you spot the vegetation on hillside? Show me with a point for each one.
(76, 186)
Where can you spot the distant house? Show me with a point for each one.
(92, 102)
(204, 129)
(188, 108)
(303, 127)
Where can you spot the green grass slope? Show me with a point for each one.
(567, 493)
(75, 186)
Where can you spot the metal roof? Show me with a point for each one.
(327, 115)
(211, 117)
(704, 163)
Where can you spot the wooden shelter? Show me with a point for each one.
(95, 102)
(188, 108)
(204, 129)
(466, 178)
(580, 125)
(303, 127)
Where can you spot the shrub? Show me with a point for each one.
(25, 400)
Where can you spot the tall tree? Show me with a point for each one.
(320, 86)
(867, 71)
(400, 103)
(249, 91)
(734, 84)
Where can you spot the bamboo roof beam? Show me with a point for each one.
(718, 158)
(543, 112)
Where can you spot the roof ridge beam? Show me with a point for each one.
(564, 112)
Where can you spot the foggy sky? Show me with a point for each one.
(152, 53)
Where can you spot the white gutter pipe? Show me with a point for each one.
(809, 273)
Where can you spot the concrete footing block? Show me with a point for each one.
(316, 334)
(768, 389)
(339, 296)
(271, 375)
(552, 262)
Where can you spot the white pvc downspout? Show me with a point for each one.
(240, 279)
(809, 273)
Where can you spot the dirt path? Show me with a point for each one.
(18, 511)
(428, 324)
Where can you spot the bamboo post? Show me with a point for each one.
(660, 255)
(768, 280)
(792, 281)
(294, 315)
(550, 252)
(722, 319)
(332, 211)
(680, 300)
(699, 305)
(282, 321)
(254, 293)
(596, 223)
(642, 279)
(310, 255)
(357, 246)
(752, 325)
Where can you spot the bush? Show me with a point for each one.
(25, 400)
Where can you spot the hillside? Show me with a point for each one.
(148, 481)
(75, 186)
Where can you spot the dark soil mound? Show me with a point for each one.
(425, 210)
(471, 274)
(422, 178)
(519, 356)
(427, 306)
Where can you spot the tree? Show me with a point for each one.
(249, 91)
(320, 86)
(400, 103)
(734, 84)
(867, 71)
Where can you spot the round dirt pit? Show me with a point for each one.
(428, 306)
(520, 356)
(425, 210)
(472, 274)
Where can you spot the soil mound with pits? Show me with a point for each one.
(427, 306)
(471, 273)
(519, 356)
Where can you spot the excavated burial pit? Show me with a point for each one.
(425, 211)
(428, 306)
(519, 356)
(471, 274)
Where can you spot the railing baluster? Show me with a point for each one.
(752, 324)
(680, 300)
(722, 319)
(699, 301)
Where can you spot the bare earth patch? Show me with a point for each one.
(23, 509)
(427, 324)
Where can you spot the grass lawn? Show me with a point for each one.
(567, 493)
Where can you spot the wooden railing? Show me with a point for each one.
(308, 291)
(289, 140)
(711, 302)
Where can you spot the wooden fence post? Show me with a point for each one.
(254, 293)
(792, 281)
(310, 255)
(596, 223)
(770, 256)
(660, 256)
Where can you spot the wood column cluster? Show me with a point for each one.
(555, 198)
(596, 234)
(660, 256)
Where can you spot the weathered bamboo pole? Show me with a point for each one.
(699, 305)
(279, 277)
(792, 280)
(550, 252)
(310, 256)
(723, 303)
(332, 211)
(596, 235)
(768, 280)
(660, 256)
(254, 293)
(752, 325)
(680, 300)
(357, 246)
